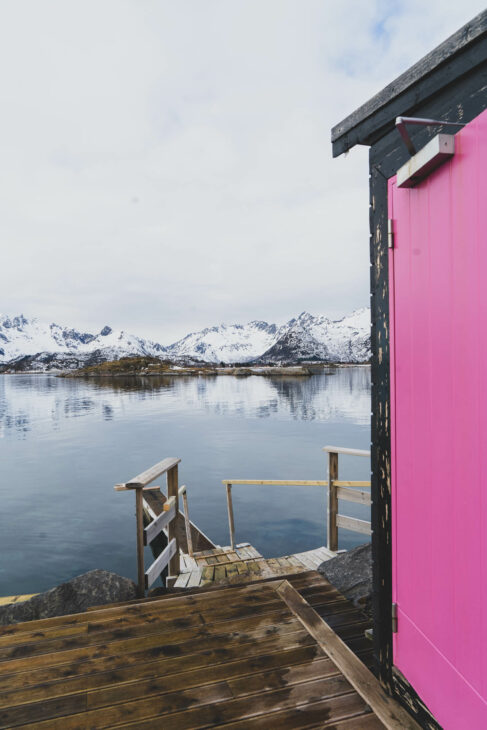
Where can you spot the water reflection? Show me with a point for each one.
(37, 399)
(64, 443)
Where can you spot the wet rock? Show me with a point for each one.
(90, 589)
(351, 573)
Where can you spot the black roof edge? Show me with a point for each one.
(362, 126)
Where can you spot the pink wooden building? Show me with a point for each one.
(428, 224)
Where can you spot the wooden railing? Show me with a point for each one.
(352, 491)
(166, 520)
(346, 490)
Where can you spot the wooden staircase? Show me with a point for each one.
(226, 565)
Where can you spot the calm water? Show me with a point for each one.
(65, 443)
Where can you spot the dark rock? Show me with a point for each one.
(351, 573)
(90, 589)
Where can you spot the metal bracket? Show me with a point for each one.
(394, 618)
(438, 150)
(390, 233)
(401, 128)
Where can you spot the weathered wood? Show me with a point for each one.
(148, 476)
(124, 488)
(303, 663)
(139, 519)
(231, 522)
(187, 524)
(354, 495)
(182, 580)
(58, 680)
(340, 704)
(312, 715)
(342, 483)
(172, 533)
(161, 522)
(150, 646)
(332, 511)
(155, 501)
(352, 523)
(161, 562)
(363, 681)
(462, 52)
(277, 482)
(345, 450)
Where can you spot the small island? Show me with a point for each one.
(148, 366)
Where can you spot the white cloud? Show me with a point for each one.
(167, 165)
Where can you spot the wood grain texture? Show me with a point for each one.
(332, 511)
(363, 681)
(278, 482)
(172, 531)
(205, 657)
(148, 476)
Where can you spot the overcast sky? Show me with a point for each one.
(166, 164)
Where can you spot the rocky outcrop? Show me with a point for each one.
(351, 573)
(90, 589)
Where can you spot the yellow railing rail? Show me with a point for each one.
(351, 491)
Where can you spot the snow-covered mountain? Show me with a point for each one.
(321, 339)
(44, 346)
(227, 343)
(29, 344)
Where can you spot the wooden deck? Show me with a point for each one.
(255, 655)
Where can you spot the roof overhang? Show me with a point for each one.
(461, 52)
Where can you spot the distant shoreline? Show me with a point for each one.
(202, 371)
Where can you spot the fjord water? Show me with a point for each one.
(64, 443)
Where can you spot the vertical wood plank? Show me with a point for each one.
(187, 525)
(231, 523)
(332, 531)
(139, 518)
(173, 491)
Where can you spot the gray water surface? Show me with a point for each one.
(64, 443)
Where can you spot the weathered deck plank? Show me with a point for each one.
(200, 657)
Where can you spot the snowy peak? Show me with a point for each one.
(226, 343)
(20, 337)
(38, 345)
(307, 337)
(318, 338)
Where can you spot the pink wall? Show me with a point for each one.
(438, 278)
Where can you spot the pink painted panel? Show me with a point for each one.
(438, 317)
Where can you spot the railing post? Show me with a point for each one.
(173, 491)
(139, 518)
(231, 523)
(332, 531)
(187, 523)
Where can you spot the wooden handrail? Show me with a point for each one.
(160, 563)
(277, 482)
(345, 450)
(148, 476)
(124, 488)
(167, 519)
(341, 483)
(342, 489)
(155, 527)
(351, 491)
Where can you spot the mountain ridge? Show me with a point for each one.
(30, 344)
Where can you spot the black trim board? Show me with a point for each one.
(465, 99)
(457, 56)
